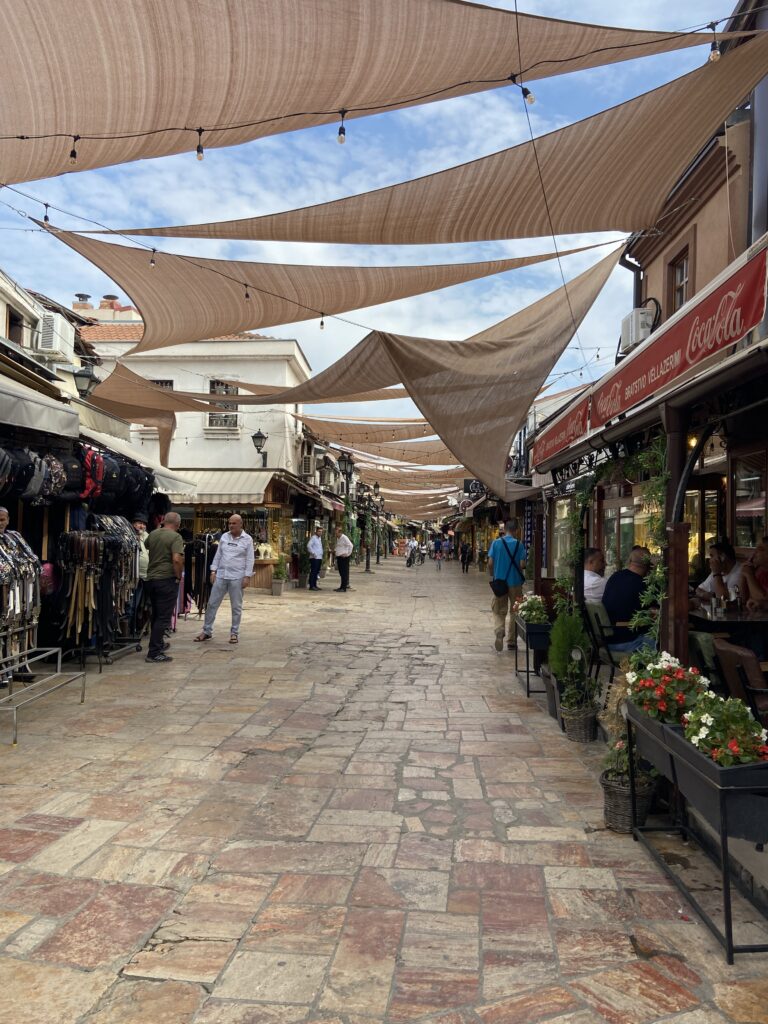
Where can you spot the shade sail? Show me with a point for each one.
(349, 433)
(475, 393)
(259, 67)
(129, 388)
(163, 422)
(424, 453)
(612, 171)
(377, 395)
(188, 298)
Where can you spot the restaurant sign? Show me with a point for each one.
(569, 428)
(721, 319)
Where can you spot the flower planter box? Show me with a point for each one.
(650, 738)
(702, 782)
(535, 634)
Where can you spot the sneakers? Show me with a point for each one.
(158, 658)
(499, 642)
(340, 590)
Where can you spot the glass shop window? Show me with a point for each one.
(749, 499)
(562, 538)
(680, 275)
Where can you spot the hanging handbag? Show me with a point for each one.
(501, 587)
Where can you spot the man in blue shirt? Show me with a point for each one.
(622, 597)
(231, 572)
(506, 561)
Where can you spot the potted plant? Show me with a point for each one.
(531, 613)
(661, 694)
(617, 804)
(279, 576)
(304, 568)
(568, 662)
(723, 753)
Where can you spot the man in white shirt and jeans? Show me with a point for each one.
(344, 549)
(315, 549)
(594, 575)
(231, 572)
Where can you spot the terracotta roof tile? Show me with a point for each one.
(134, 331)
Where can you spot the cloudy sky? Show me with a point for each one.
(307, 167)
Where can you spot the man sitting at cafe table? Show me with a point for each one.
(725, 572)
(754, 578)
(622, 597)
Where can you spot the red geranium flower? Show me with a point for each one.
(662, 705)
(734, 747)
(715, 753)
(680, 697)
(679, 674)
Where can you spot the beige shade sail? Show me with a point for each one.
(377, 395)
(184, 298)
(163, 422)
(348, 433)
(612, 171)
(129, 388)
(258, 67)
(423, 453)
(400, 478)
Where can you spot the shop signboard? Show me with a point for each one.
(720, 320)
(571, 426)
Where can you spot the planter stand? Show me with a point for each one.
(536, 638)
(724, 796)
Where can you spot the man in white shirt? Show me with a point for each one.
(594, 575)
(231, 572)
(315, 549)
(725, 572)
(344, 549)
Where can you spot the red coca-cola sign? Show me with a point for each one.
(724, 317)
(564, 431)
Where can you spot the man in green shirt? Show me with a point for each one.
(166, 564)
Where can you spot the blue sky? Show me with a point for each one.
(301, 168)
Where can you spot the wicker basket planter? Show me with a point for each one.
(580, 725)
(617, 806)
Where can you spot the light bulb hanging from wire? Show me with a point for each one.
(528, 96)
(341, 138)
(247, 293)
(322, 321)
(200, 151)
(714, 50)
(152, 258)
(46, 218)
(73, 151)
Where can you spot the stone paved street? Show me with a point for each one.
(353, 816)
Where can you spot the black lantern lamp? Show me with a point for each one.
(259, 440)
(346, 465)
(376, 489)
(85, 380)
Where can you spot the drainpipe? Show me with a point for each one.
(637, 270)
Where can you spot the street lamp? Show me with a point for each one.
(85, 379)
(365, 500)
(259, 440)
(376, 489)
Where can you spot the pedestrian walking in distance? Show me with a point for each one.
(344, 549)
(506, 562)
(465, 551)
(315, 549)
(231, 571)
(438, 553)
(164, 569)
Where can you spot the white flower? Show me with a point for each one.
(764, 735)
(695, 740)
(631, 678)
(702, 734)
(707, 719)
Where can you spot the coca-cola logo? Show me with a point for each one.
(609, 402)
(725, 325)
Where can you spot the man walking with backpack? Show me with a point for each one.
(506, 562)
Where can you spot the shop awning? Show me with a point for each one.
(332, 503)
(166, 480)
(20, 406)
(235, 486)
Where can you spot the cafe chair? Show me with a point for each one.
(701, 653)
(743, 675)
(600, 631)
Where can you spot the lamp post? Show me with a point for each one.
(379, 511)
(364, 491)
(346, 468)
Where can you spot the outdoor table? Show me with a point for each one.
(729, 621)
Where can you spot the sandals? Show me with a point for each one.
(234, 639)
(202, 637)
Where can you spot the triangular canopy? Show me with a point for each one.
(251, 68)
(186, 298)
(349, 433)
(612, 171)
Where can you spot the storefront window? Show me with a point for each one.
(749, 484)
(711, 512)
(691, 515)
(562, 538)
(610, 540)
(628, 534)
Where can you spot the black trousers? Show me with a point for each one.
(314, 571)
(162, 596)
(342, 561)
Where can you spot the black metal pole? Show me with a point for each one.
(368, 523)
(378, 537)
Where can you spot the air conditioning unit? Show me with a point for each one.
(57, 337)
(635, 328)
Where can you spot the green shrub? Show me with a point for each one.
(280, 571)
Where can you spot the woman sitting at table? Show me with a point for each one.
(754, 578)
(725, 572)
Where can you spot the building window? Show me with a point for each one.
(166, 385)
(226, 413)
(680, 273)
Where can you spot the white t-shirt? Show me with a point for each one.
(730, 579)
(594, 585)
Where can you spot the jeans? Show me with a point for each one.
(221, 587)
(314, 571)
(500, 606)
(162, 595)
(634, 645)
(342, 561)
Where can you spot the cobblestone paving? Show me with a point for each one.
(355, 816)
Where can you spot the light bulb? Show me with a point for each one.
(200, 152)
(528, 96)
(152, 258)
(322, 321)
(46, 218)
(714, 52)
(247, 294)
(73, 151)
(341, 138)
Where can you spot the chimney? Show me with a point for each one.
(82, 301)
(106, 302)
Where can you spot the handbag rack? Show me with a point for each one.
(19, 615)
(101, 570)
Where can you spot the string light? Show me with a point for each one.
(322, 321)
(200, 151)
(73, 151)
(46, 218)
(714, 50)
(152, 258)
(528, 96)
(247, 293)
(341, 138)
